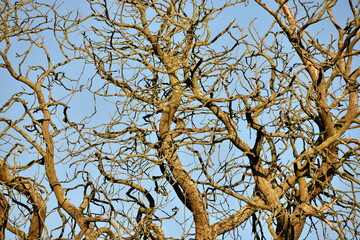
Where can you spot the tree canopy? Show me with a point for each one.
(179, 119)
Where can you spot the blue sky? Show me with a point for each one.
(81, 102)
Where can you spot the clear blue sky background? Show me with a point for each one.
(80, 103)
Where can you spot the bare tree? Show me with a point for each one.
(158, 120)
